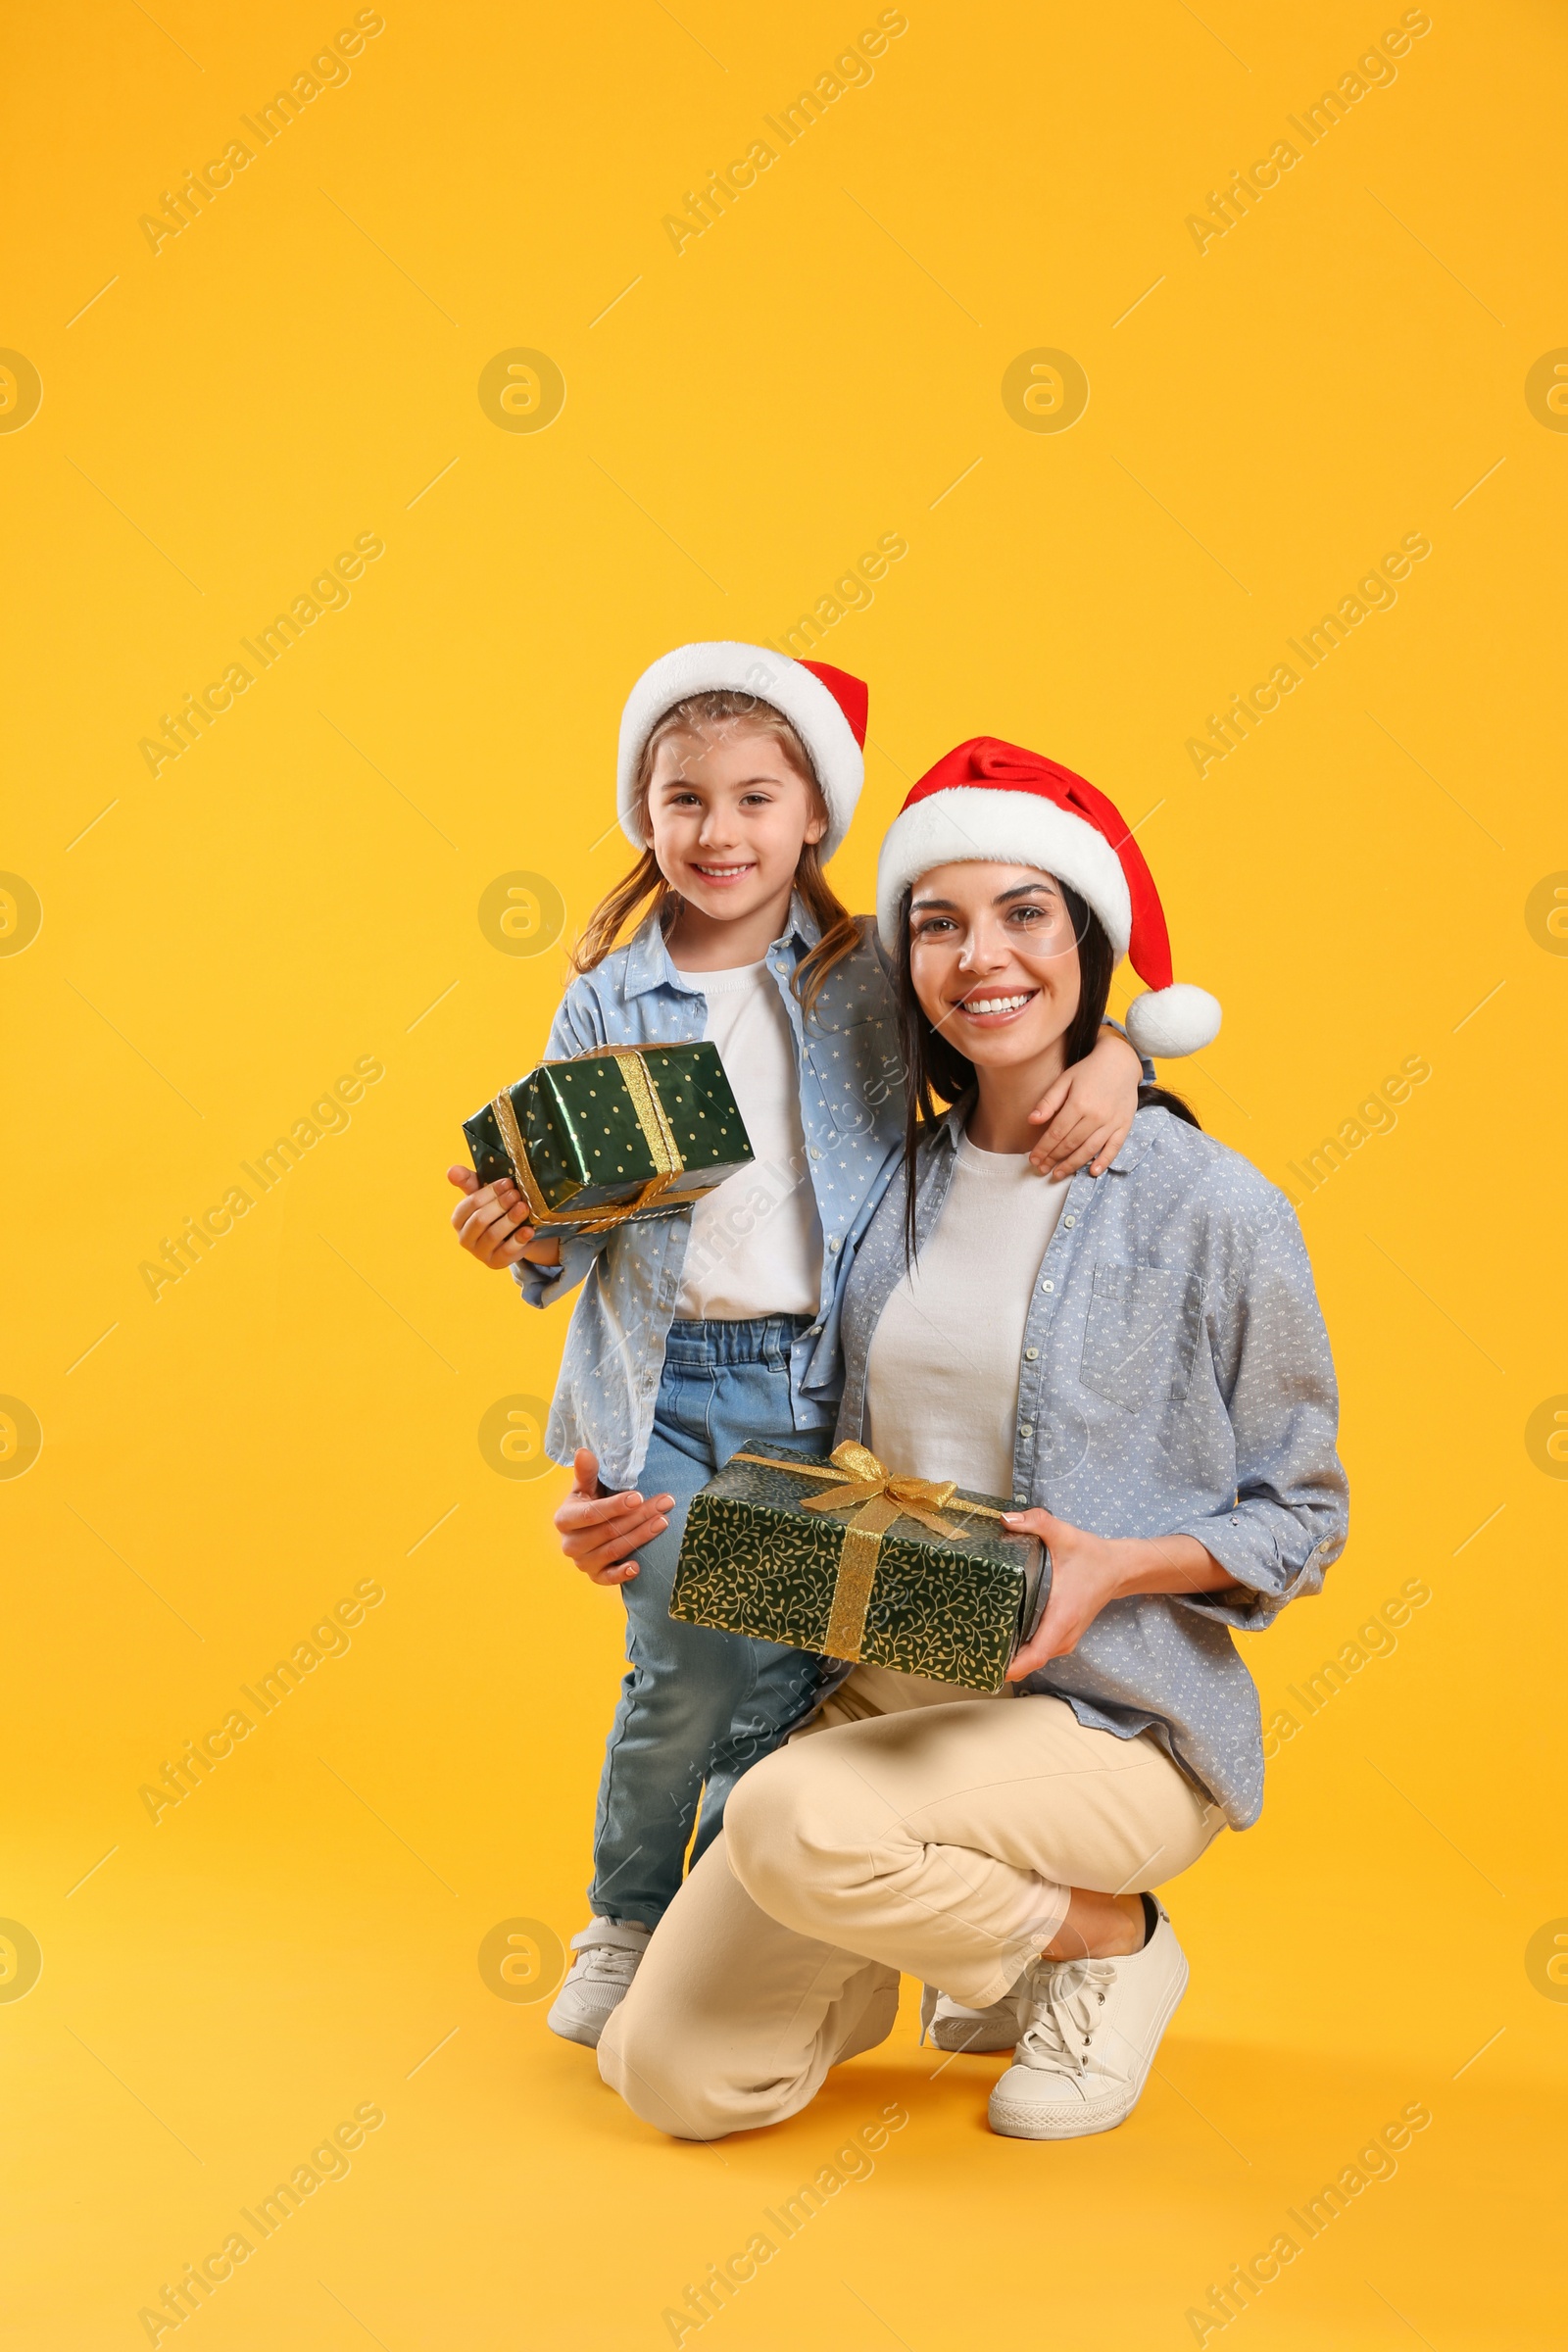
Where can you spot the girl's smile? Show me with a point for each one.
(720, 875)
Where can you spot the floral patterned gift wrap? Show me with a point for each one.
(844, 1558)
(628, 1131)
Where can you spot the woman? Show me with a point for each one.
(1145, 1355)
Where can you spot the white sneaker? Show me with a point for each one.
(607, 1954)
(948, 2025)
(1091, 2031)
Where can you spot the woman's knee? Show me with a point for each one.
(649, 2065)
(796, 1831)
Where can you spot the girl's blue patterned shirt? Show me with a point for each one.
(851, 1111)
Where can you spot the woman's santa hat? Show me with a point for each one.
(990, 801)
(824, 705)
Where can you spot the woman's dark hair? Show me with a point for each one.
(937, 1073)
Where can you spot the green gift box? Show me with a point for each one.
(843, 1558)
(623, 1132)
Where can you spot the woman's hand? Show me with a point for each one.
(1088, 1571)
(1085, 1117)
(1083, 1578)
(492, 1224)
(596, 1531)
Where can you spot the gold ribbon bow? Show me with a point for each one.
(658, 1134)
(883, 1496)
(877, 1499)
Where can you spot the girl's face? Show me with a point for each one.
(729, 816)
(994, 960)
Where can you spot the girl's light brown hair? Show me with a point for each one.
(644, 889)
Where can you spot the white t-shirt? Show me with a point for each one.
(941, 1385)
(756, 1245)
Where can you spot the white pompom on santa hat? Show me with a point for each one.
(826, 707)
(992, 802)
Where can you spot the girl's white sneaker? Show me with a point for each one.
(1090, 2030)
(598, 1980)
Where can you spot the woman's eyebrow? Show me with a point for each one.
(1020, 890)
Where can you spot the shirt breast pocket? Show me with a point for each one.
(1140, 1334)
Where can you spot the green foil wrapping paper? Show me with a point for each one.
(593, 1156)
(755, 1560)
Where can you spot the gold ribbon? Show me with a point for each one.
(517, 1156)
(658, 1134)
(884, 1496)
(877, 1498)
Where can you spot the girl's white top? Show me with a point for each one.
(756, 1245)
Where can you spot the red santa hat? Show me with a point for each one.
(990, 801)
(825, 707)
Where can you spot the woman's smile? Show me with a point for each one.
(720, 875)
(995, 1010)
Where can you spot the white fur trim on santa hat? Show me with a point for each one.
(1179, 1019)
(724, 665)
(968, 822)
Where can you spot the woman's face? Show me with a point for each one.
(994, 960)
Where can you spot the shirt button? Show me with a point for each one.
(1069, 1220)
(1048, 1285)
(833, 1246)
(1026, 1428)
(1030, 1353)
(815, 1153)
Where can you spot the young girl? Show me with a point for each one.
(698, 1334)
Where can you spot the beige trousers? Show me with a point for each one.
(936, 1841)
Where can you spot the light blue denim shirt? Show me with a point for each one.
(852, 1108)
(1175, 1379)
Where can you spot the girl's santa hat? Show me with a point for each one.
(990, 801)
(826, 707)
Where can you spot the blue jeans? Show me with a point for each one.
(697, 1706)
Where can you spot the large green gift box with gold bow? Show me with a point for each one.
(843, 1558)
(623, 1132)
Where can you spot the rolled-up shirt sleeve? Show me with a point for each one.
(576, 1029)
(1275, 1371)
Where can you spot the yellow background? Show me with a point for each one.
(300, 889)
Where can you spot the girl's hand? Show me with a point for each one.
(1088, 1114)
(596, 1531)
(1088, 1571)
(492, 1224)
